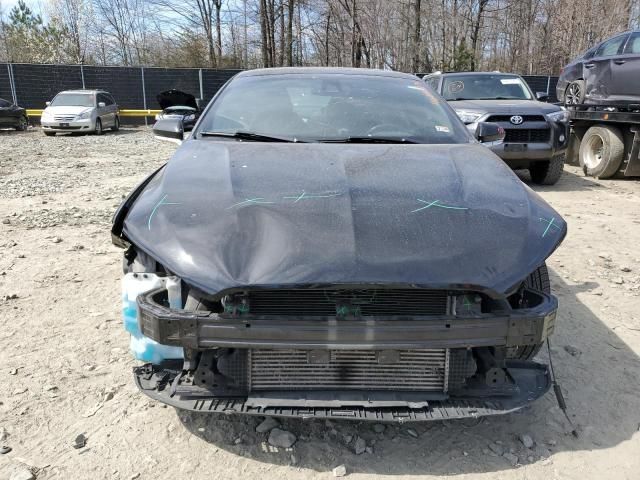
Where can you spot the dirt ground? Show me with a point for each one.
(65, 369)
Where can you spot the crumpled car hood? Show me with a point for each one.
(231, 214)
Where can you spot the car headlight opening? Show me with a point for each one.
(84, 115)
(559, 116)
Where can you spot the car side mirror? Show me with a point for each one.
(47, 103)
(169, 130)
(542, 96)
(102, 104)
(490, 133)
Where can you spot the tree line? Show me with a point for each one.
(523, 36)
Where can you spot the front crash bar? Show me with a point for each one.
(204, 330)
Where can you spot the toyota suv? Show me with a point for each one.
(536, 132)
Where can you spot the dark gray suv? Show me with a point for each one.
(536, 132)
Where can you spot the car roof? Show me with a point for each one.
(370, 72)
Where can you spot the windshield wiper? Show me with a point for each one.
(368, 140)
(501, 98)
(250, 136)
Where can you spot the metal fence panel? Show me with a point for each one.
(37, 84)
(161, 79)
(213, 80)
(124, 83)
(5, 83)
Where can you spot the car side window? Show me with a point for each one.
(611, 47)
(633, 45)
(103, 98)
(110, 100)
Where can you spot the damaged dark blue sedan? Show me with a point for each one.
(335, 243)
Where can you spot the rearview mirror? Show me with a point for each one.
(542, 96)
(169, 130)
(102, 104)
(489, 133)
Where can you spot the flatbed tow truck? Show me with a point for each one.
(605, 140)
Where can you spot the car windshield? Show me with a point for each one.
(485, 87)
(73, 100)
(333, 108)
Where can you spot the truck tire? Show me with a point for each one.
(538, 280)
(547, 173)
(574, 93)
(601, 151)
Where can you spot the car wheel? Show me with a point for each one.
(547, 173)
(574, 94)
(98, 130)
(23, 124)
(50, 134)
(538, 280)
(601, 151)
(116, 125)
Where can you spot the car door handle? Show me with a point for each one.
(619, 62)
(589, 65)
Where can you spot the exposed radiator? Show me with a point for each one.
(415, 370)
(358, 302)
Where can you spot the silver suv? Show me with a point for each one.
(82, 111)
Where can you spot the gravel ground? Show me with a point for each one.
(69, 409)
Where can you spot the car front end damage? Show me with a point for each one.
(358, 351)
(362, 303)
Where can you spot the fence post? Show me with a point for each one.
(12, 83)
(548, 83)
(144, 96)
(82, 76)
(201, 88)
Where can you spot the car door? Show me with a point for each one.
(112, 108)
(597, 69)
(625, 72)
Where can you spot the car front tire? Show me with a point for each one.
(538, 280)
(547, 173)
(23, 123)
(98, 128)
